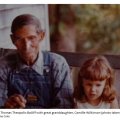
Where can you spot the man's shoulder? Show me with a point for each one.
(55, 57)
(8, 59)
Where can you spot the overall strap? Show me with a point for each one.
(48, 70)
(47, 63)
(46, 58)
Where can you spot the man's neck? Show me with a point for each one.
(30, 62)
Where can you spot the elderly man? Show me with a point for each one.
(31, 78)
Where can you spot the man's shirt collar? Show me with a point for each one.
(38, 66)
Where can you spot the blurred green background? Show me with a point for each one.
(85, 28)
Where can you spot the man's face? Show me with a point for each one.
(26, 40)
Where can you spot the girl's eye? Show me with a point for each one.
(98, 85)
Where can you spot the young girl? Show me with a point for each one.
(95, 85)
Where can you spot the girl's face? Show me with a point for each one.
(93, 90)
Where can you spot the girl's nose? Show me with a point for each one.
(93, 88)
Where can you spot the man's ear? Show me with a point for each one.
(41, 35)
(12, 38)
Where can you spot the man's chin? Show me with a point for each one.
(27, 57)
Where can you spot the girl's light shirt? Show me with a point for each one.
(86, 105)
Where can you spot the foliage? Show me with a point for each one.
(97, 26)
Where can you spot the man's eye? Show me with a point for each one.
(32, 37)
(17, 38)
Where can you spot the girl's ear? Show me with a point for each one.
(41, 35)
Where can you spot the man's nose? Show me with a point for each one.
(26, 44)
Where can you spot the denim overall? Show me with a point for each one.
(36, 88)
